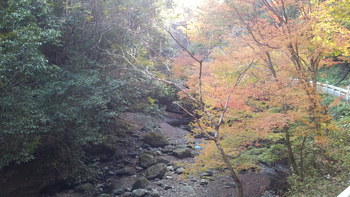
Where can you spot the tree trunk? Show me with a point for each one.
(302, 159)
(290, 153)
(229, 166)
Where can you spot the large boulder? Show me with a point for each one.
(155, 139)
(156, 171)
(146, 160)
(182, 153)
(140, 183)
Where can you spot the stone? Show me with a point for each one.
(207, 173)
(180, 170)
(155, 139)
(167, 187)
(160, 184)
(156, 171)
(118, 191)
(188, 189)
(139, 168)
(167, 149)
(118, 154)
(203, 182)
(168, 177)
(86, 188)
(127, 194)
(100, 185)
(182, 153)
(104, 195)
(170, 168)
(154, 193)
(110, 172)
(107, 187)
(146, 160)
(139, 192)
(268, 194)
(125, 171)
(140, 183)
(163, 160)
(229, 185)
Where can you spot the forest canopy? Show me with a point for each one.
(245, 71)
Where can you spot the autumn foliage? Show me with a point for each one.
(259, 79)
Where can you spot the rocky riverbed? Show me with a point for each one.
(148, 164)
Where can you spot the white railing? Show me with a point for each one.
(334, 90)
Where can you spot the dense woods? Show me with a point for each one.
(244, 71)
(61, 82)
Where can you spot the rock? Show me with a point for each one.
(127, 194)
(100, 185)
(140, 183)
(207, 173)
(168, 174)
(118, 154)
(182, 153)
(188, 190)
(168, 177)
(167, 149)
(163, 160)
(139, 192)
(86, 188)
(125, 171)
(160, 184)
(180, 170)
(110, 172)
(107, 187)
(154, 193)
(170, 168)
(229, 185)
(106, 150)
(135, 135)
(146, 160)
(167, 187)
(203, 182)
(118, 191)
(268, 194)
(156, 171)
(139, 168)
(104, 195)
(155, 139)
(132, 154)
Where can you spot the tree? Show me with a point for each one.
(283, 39)
(25, 27)
(59, 84)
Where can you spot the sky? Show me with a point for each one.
(190, 3)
